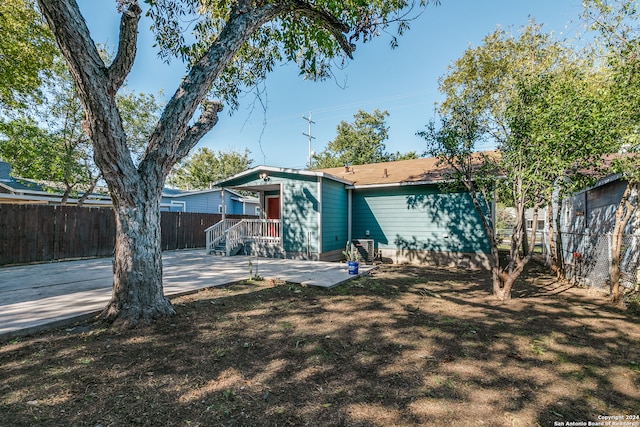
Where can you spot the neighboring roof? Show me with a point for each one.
(250, 199)
(402, 172)
(24, 191)
(21, 185)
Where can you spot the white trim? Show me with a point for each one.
(319, 215)
(52, 199)
(266, 203)
(283, 170)
(349, 212)
(185, 193)
(179, 203)
(223, 200)
(51, 196)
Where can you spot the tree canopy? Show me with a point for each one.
(237, 42)
(45, 140)
(358, 143)
(27, 50)
(206, 166)
(542, 105)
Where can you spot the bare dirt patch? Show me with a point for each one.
(406, 346)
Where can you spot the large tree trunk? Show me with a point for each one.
(137, 265)
(504, 279)
(623, 213)
(502, 286)
(502, 282)
(136, 191)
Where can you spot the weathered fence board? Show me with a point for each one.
(42, 233)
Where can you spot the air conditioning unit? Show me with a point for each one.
(366, 249)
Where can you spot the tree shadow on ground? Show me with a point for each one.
(405, 346)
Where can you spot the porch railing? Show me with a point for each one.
(237, 232)
(216, 233)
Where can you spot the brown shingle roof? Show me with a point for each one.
(398, 172)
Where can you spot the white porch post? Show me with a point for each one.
(224, 209)
(319, 217)
(349, 213)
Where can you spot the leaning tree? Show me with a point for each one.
(541, 107)
(235, 43)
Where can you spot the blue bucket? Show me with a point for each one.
(353, 267)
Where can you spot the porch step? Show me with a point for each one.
(236, 250)
(218, 251)
(221, 249)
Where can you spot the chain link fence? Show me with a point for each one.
(587, 258)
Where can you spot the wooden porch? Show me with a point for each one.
(230, 236)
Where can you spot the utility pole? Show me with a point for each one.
(309, 137)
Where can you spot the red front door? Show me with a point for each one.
(273, 208)
(273, 212)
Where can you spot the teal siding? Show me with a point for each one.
(334, 215)
(300, 215)
(418, 218)
(299, 208)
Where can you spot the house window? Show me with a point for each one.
(257, 211)
(220, 209)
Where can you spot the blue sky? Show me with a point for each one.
(403, 81)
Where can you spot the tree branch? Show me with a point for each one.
(172, 126)
(207, 120)
(74, 40)
(329, 22)
(122, 63)
(172, 136)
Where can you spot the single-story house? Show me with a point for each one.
(209, 201)
(394, 210)
(27, 191)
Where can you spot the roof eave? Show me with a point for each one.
(282, 170)
(398, 184)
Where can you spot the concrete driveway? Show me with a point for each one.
(37, 297)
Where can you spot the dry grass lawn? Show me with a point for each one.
(407, 346)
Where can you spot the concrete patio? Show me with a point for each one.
(42, 296)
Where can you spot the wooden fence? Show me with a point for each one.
(40, 233)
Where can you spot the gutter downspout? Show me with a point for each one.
(349, 213)
(319, 217)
